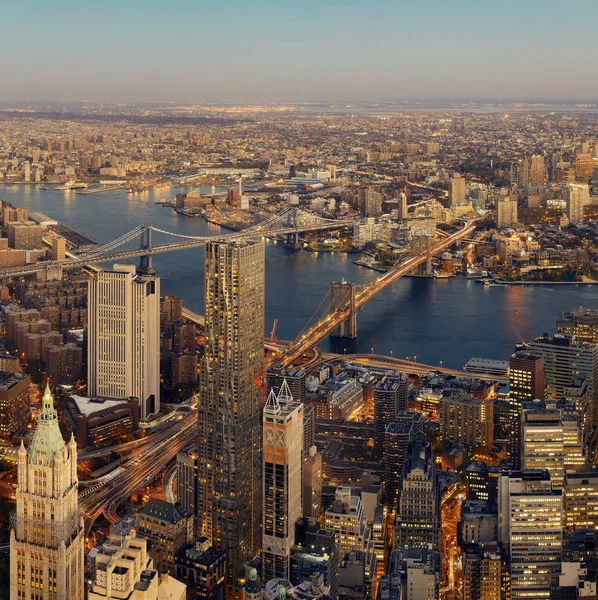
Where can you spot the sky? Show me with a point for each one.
(261, 51)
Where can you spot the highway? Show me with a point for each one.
(327, 324)
(409, 367)
(138, 471)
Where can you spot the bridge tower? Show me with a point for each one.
(146, 266)
(292, 240)
(342, 296)
(419, 245)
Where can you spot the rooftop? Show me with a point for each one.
(166, 511)
(89, 406)
(9, 380)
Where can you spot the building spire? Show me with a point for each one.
(47, 404)
(272, 404)
(284, 394)
(47, 440)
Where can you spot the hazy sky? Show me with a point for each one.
(300, 50)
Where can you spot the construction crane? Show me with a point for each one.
(272, 337)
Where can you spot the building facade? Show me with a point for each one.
(14, 403)
(531, 529)
(168, 528)
(229, 439)
(417, 519)
(124, 337)
(283, 446)
(47, 537)
(466, 419)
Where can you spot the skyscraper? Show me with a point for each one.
(391, 396)
(124, 337)
(543, 444)
(466, 419)
(577, 195)
(506, 212)
(47, 539)
(526, 382)
(537, 171)
(402, 210)
(229, 446)
(566, 360)
(456, 191)
(396, 441)
(417, 519)
(531, 530)
(312, 482)
(283, 445)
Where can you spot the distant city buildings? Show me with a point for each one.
(456, 191)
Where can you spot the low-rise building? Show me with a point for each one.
(168, 528)
(97, 420)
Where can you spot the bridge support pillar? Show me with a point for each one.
(145, 262)
(429, 256)
(342, 296)
(293, 242)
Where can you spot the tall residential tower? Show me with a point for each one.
(229, 445)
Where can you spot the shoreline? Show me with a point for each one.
(500, 282)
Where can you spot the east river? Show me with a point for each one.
(449, 320)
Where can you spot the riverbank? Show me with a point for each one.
(585, 282)
(448, 321)
(223, 224)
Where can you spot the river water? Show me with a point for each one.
(436, 320)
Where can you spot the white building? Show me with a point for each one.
(347, 519)
(124, 337)
(530, 526)
(283, 446)
(577, 195)
(47, 537)
(122, 569)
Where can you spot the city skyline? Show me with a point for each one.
(324, 52)
(333, 372)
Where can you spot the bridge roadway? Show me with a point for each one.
(190, 242)
(327, 324)
(378, 360)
